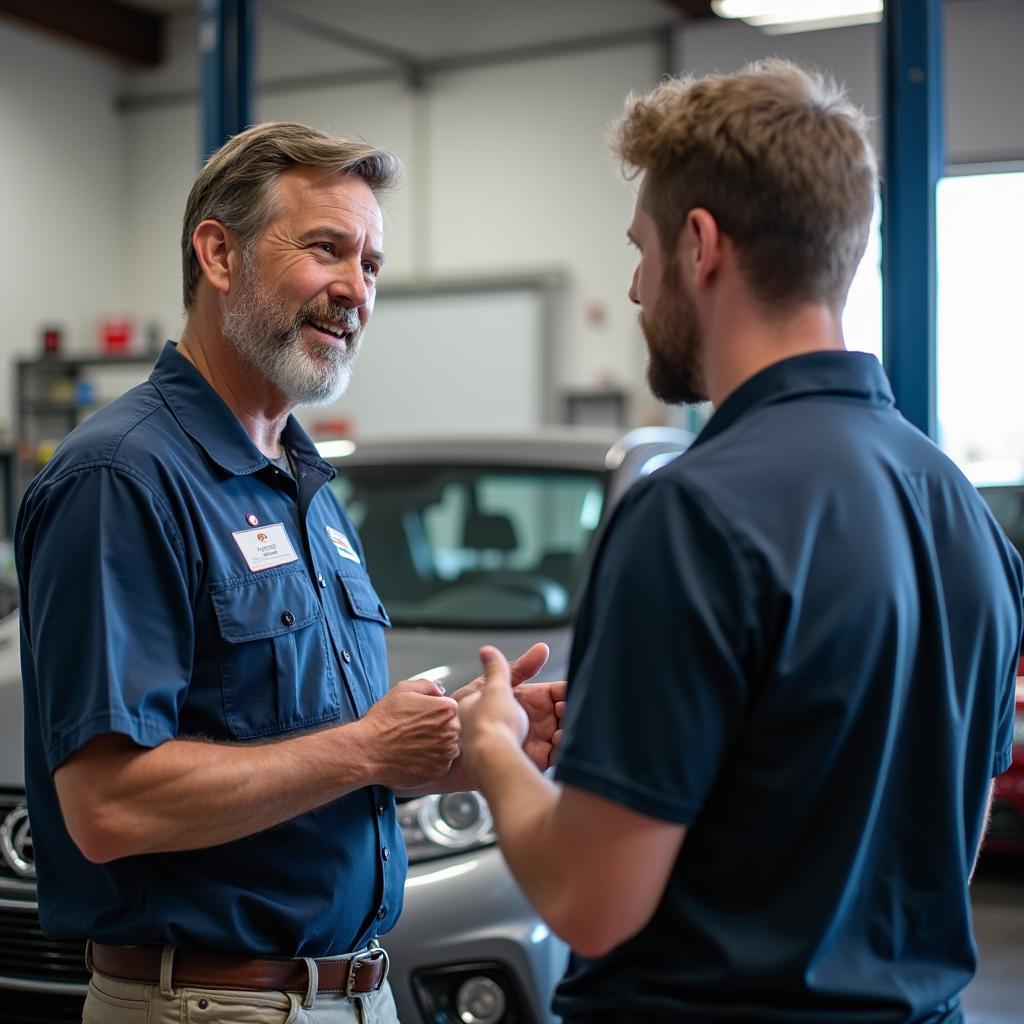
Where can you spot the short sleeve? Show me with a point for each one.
(107, 632)
(656, 684)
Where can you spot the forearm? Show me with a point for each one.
(456, 780)
(523, 803)
(572, 852)
(119, 799)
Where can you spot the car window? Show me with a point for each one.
(460, 546)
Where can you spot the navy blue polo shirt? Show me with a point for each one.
(174, 583)
(799, 640)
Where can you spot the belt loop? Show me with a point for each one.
(166, 971)
(309, 1000)
(88, 956)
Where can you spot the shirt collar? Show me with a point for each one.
(206, 418)
(855, 375)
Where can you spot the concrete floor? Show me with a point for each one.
(996, 995)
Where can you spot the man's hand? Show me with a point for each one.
(417, 734)
(544, 703)
(491, 708)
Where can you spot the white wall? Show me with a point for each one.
(62, 180)
(506, 172)
(506, 168)
(851, 55)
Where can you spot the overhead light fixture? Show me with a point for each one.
(779, 16)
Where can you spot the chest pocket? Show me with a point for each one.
(275, 671)
(369, 620)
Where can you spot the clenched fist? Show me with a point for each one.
(416, 734)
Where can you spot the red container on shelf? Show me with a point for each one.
(116, 335)
(51, 340)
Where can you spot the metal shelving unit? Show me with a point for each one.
(52, 396)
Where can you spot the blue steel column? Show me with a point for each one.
(226, 30)
(914, 159)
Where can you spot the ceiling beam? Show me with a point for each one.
(126, 33)
(691, 8)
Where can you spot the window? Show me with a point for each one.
(862, 316)
(980, 335)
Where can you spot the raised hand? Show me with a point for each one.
(492, 704)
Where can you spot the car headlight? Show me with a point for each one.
(442, 824)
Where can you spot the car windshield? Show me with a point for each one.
(465, 547)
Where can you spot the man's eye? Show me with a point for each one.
(371, 268)
(327, 247)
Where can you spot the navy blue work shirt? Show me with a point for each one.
(799, 640)
(174, 583)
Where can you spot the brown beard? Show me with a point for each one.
(675, 342)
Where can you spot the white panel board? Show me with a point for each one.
(447, 362)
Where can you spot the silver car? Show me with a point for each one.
(468, 541)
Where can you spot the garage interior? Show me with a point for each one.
(509, 226)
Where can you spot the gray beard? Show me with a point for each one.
(260, 331)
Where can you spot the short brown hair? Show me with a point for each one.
(780, 158)
(236, 185)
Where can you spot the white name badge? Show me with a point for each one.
(265, 547)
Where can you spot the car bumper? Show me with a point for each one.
(465, 918)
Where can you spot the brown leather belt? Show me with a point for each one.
(362, 972)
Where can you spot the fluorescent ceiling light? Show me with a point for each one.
(335, 449)
(778, 16)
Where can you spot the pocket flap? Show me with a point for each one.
(363, 601)
(264, 606)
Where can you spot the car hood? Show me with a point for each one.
(452, 657)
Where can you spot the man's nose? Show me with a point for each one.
(633, 296)
(349, 285)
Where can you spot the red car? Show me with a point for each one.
(1006, 828)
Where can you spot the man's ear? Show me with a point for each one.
(214, 244)
(700, 247)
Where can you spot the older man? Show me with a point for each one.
(212, 749)
(793, 671)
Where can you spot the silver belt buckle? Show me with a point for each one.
(373, 953)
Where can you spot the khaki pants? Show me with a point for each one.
(126, 1002)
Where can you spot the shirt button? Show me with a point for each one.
(385, 853)
(287, 618)
(346, 657)
(321, 581)
(381, 913)
(380, 810)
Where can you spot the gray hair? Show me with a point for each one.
(236, 185)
